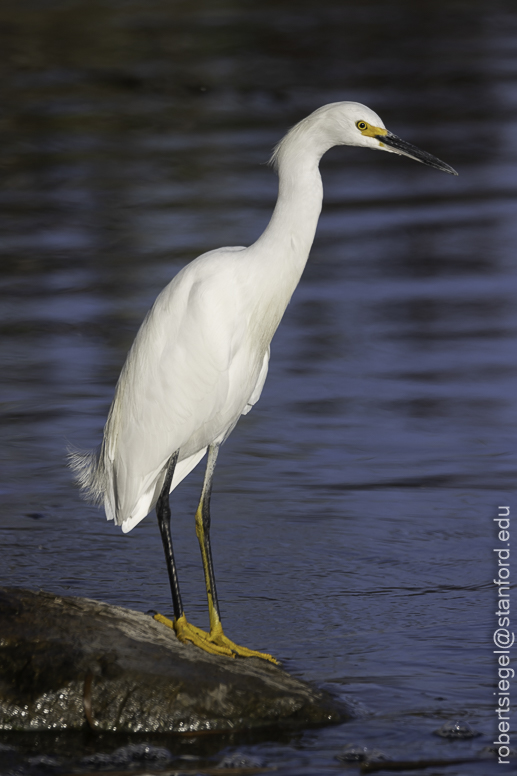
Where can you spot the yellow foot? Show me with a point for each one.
(215, 642)
(217, 637)
(187, 632)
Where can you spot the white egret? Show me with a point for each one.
(200, 358)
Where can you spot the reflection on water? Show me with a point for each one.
(353, 506)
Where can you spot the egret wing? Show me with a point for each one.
(188, 377)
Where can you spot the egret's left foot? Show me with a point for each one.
(217, 637)
(187, 632)
(214, 642)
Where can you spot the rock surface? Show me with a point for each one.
(66, 663)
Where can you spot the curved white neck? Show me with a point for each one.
(288, 237)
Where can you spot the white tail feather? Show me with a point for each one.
(90, 475)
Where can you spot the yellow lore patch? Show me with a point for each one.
(369, 130)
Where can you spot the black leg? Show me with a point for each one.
(163, 513)
(216, 642)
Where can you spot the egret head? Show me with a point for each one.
(360, 126)
(353, 124)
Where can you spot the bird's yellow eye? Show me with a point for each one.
(362, 125)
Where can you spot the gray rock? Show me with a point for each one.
(62, 656)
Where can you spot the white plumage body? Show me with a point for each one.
(201, 356)
(201, 325)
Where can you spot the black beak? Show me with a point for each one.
(406, 149)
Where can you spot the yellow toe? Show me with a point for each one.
(217, 637)
(164, 620)
(215, 642)
(187, 632)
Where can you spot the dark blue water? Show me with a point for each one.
(353, 508)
